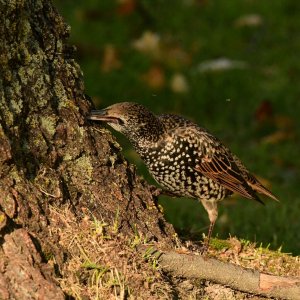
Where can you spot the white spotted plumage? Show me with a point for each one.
(183, 157)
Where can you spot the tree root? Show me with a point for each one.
(236, 277)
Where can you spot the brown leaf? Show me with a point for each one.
(251, 20)
(236, 244)
(155, 77)
(110, 59)
(148, 43)
(179, 84)
(283, 122)
(278, 136)
(175, 56)
(126, 7)
(264, 112)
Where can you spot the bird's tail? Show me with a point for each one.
(259, 188)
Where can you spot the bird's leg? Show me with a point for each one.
(212, 210)
(207, 239)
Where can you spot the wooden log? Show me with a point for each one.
(236, 277)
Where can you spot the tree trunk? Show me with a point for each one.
(71, 208)
(52, 159)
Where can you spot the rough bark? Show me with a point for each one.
(22, 273)
(52, 160)
(50, 156)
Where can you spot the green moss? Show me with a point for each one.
(186, 40)
(15, 175)
(81, 131)
(219, 244)
(48, 256)
(60, 92)
(25, 27)
(25, 73)
(16, 104)
(67, 157)
(83, 164)
(49, 123)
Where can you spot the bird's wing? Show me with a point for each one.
(258, 187)
(218, 163)
(254, 183)
(215, 160)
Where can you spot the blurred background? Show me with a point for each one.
(231, 66)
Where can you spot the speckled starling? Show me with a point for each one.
(183, 158)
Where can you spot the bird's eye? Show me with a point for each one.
(120, 121)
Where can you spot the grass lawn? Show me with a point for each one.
(232, 67)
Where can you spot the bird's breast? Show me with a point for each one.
(173, 163)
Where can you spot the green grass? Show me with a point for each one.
(225, 102)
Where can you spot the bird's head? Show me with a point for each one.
(133, 120)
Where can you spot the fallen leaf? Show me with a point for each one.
(110, 59)
(283, 122)
(126, 7)
(175, 56)
(148, 43)
(264, 112)
(221, 64)
(282, 125)
(251, 20)
(155, 77)
(235, 244)
(179, 83)
(278, 136)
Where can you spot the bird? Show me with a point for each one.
(184, 158)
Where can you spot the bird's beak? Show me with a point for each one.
(102, 115)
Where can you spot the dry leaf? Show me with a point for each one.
(155, 77)
(283, 122)
(126, 7)
(235, 244)
(264, 112)
(175, 56)
(252, 20)
(110, 59)
(282, 125)
(148, 43)
(221, 64)
(278, 136)
(179, 83)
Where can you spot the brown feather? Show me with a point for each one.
(222, 166)
(228, 176)
(259, 188)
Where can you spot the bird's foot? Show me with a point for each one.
(204, 249)
(205, 246)
(196, 247)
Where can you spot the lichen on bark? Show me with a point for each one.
(50, 156)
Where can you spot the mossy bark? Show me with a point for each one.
(51, 157)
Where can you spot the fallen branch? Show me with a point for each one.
(236, 277)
